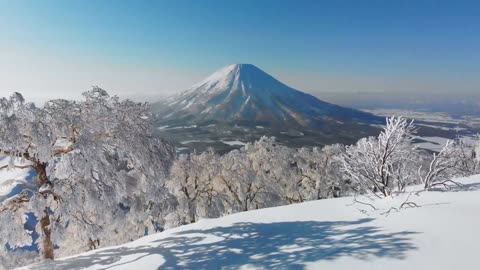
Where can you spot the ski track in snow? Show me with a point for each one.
(327, 234)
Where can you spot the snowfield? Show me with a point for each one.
(431, 143)
(442, 233)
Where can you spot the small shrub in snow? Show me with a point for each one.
(457, 158)
(384, 163)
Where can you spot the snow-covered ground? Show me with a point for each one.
(436, 144)
(439, 117)
(11, 178)
(438, 120)
(431, 143)
(196, 141)
(442, 233)
(233, 142)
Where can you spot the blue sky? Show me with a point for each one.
(60, 48)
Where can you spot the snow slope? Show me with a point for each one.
(443, 233)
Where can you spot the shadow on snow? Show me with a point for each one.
(278, 245)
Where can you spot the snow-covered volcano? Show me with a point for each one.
(245, 93)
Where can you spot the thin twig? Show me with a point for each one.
(364, 203)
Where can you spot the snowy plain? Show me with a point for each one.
(431, 143)
(441, 233)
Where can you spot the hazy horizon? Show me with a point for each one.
(58, 49)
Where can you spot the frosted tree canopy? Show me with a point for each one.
(100, 173)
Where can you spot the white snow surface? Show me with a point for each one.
(233, 142)
(431, 143)
(219, 79)
(442, 233)
(10, 178)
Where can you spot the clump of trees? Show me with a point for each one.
(262, 174)
(100, 173)
(388, 163)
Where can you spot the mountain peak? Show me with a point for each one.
(240, 66)
(236, 74)
(244, 92)
(245, 66)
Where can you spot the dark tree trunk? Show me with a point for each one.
(47, 244)
(41, 169)
(47, 240)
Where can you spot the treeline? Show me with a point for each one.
(266, 174)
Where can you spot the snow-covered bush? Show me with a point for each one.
(456, 159)
(100, 173)
(441, 166)
(382, 164)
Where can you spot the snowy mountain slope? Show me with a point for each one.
(243, 92)
(443, 233)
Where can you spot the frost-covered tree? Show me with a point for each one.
(273, 168)
(100, 173)
(384, 163)
(319, 175)
(192, 183)
(468, 150)
(457, 158)
(26, 132)
(476, 154)
(441, 167)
